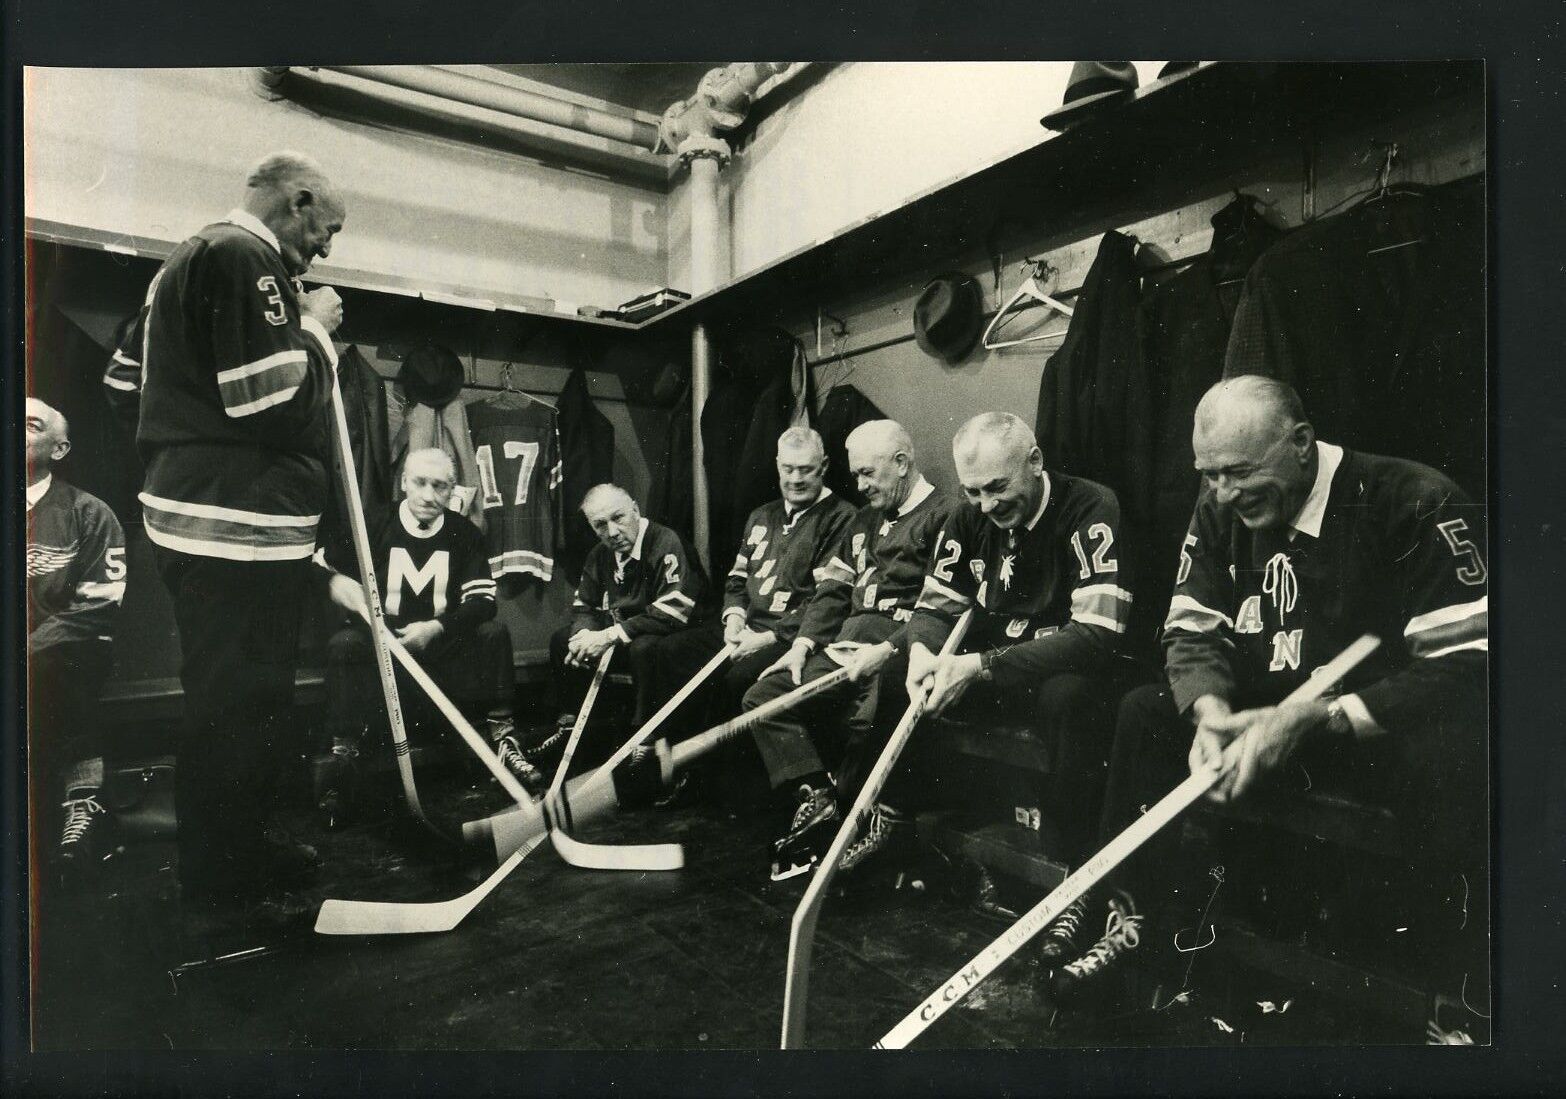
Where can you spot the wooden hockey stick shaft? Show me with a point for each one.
(453, 715)
(557, 810)
(606, 771)
(802, 929)
(981, 965)
(591, 799)
(377, 614)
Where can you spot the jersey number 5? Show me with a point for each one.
(1101, 562)
(514, 448)
(1473, 571)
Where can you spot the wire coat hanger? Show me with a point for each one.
(1029, 289)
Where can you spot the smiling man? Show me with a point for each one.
(432, 568)
(1297, 547)
(233, 364)
(1034, 554)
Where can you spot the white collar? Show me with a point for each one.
(1043, 501)
(790, 512)
(248, 221)
(636, 551)
(1308, 521)
(36, 492)
(411, 524)
(916, 496)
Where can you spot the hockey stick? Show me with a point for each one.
(375, 612)
(557, 812)
(966, 979)
(339, 917)
(802, 929)
(511, 827)
(592, 799)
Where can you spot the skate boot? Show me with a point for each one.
(810, 832)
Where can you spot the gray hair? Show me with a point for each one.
(888, 437)
(1255, 394)
(436, 453)
(598, 493)
(802, 438)
(280, 170)
(1000, 427)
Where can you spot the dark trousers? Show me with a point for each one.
(1435, 784)
(723, 694)
(640, 658)
(835, 730)
(64, 730)
(475, 671)
(238, 625)
(1072, 715)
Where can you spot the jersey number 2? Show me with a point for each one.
(514, 448)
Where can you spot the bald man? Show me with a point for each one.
(640, 585)
(1297, 547)
(75, 584)
(865, 593)
(1034, 554)
(234, 367)
(432, 568)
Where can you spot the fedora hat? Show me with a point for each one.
(949, 316)
(1091, 83)
(431, 375)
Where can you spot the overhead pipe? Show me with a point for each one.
(508, 100)
(615, 156)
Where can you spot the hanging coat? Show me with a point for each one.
(1094, 414)
(587, 459)
(671, 501)
(845, 409)
(446, 428)
(788, 401)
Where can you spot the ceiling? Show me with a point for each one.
(646, 87)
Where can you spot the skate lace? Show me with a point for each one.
(869, 841)
(78, 815)
(1067, 922)
(511, 756)
(1121, 932)
(814, 801)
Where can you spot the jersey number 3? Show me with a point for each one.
(514, 448)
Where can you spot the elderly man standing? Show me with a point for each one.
(236, 365)
(866, 592)
(1296, 548)
(432, 569)
(1034, 555)
(640, 585)
(75, 584)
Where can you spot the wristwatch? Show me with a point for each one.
(1338, 723)
(984, 665)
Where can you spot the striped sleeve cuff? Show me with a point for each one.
(264, 383)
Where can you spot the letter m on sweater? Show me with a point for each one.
(400, 570)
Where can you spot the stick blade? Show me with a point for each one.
(597, 856)
(340, 917)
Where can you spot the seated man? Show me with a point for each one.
(639, 585)
(439, 597)
(75, 583)
(1296, 548)
(787, 545)
(865, 593)
(1033, 554)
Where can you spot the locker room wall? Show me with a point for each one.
(80, 296)
(161, 152)
(932, 399)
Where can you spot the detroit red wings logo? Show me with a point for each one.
(42, 560)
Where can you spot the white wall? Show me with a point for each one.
(160, 152)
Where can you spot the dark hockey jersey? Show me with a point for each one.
(440, 574)
(75, 568)
(1382, 546)
(781, 560)
(1051, 596)
(518, 453)
(235, 385)
(878, 568)
(657, 588)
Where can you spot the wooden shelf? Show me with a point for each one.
(1198, 126)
